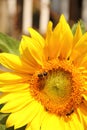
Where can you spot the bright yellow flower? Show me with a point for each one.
(45, 88)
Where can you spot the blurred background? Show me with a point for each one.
(16, 16)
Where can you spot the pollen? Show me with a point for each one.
(58, 86)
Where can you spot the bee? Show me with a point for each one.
(42, 75)
(69, 113)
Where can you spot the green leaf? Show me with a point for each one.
(3, 118)
(2, 127)
(83, 28)
(12, 128)
(9, 44)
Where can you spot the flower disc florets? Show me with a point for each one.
(58, 87)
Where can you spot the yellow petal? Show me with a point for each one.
(17, 104)
(45, 120)
(85, 96)
(13, 62)
(82, 60)
(78, 35)
(6, 97)
(79, 114)
(28, 127)
(35, 35)
(24, 116)
(79, 49)
(31, 52)
(85, 99)
(53, 41)
(9, 78)
(59, 41)
(37, 121)
(47, 43)
(14, 87)
(75, 123)
(83, 111)
(66, 46)
(66, 40)
(48, 124)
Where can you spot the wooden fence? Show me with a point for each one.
(17, 15)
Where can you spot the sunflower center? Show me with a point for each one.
(57, 87)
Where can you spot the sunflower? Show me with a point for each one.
(45, 88)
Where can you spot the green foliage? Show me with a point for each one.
(82, 27)
(8, 44)
(3, 118)
(2, 127)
